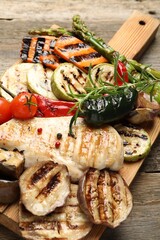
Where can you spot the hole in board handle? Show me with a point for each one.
(142, 22)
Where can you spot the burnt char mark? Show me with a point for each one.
(25, 48)
(77, 46)
(54, 181)
(38, 225)
(68, 80)
(39, 47)
(41, 172)
(84, 57)
(101, 186)
(129, 134)
(89, 189)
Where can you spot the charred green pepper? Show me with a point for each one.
(106, 108)
(110, 108)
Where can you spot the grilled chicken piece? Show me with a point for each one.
(44, 187)
(99, 148)
(104, 197)
(77, 52)
(11, 163)
(67, 222)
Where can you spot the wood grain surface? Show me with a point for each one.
(104, 18)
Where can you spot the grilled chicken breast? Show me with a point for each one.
(67, 222)
(44, 187)
(99, 148)
(104, 197)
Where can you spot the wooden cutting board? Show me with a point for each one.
(132, 39)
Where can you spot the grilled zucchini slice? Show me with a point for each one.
(136, 142)
(68, 78)
(15, 79)
(39, 80)
(103, 72)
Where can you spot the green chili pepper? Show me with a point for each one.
(110, 108)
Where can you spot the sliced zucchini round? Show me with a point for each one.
(68, 78)
(39, 80)
(101, 72)
(15, 79)
(136, 142)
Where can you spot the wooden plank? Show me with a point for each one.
(139, 30)
(9, 216)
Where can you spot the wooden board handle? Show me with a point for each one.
(135, 35)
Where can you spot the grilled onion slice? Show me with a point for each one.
(105, 197)
(44, 187)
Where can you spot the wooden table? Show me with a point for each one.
(105, 18)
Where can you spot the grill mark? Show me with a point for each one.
(39, 225)
(68, 80)
(41, 172)
(84, 57)
(128, 134)
(76, 46)
(54, 181)
(88, 188)
(100, 187)
(38, 49)
(115, 189)
(26, 42)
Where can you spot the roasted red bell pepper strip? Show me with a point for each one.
(53, 108)
(122, 73)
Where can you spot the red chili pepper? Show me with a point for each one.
(123, 74)
(53, 108)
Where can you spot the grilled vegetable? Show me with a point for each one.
(77, 52)
(39, 81)
(37, 139)
(5, 110)
(110, 108)
(54, 108)
(24, 106)
(68, 78)
(141, 115)
(136, 142)
(15, 80)
(67, 222)
(137, 72)
(9, 191)
(44, 187)
(104, 197)
(103, 72)
(11, 164)
(35, 47)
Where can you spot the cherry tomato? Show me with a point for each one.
(24, 106)
(5, 110)
(123, 74)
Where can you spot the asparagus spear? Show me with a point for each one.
(138, 70)
(54, 31)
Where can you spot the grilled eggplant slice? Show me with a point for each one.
(44, 187)
(11, 163)
(136, 142)
(39, 80)
(68, 78)
(15, 79)
(104, 197)
(67, 222)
